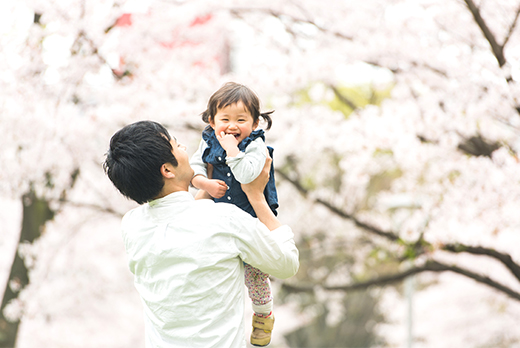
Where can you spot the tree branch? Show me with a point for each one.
(337, 211)
(280, 16)
(429, 266)
(498, 50)
(380, 281)
(342, 98)
(99, 208)
(439, 267)
(512, 27)
(506, 259)
(388, 235)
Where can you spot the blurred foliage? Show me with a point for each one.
(379, 182)
(478, 146)
(345, 99)
(500, 341)
(329, 174)
(354, 330)
(340, 319)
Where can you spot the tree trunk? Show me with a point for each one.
(36, 213)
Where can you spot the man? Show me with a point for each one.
(187, 255)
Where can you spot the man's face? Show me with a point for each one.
(183, 169)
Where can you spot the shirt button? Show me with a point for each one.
(228, 198)
(220, 158)
(228, 174)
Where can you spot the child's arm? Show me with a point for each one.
(216, 188)
(196, 162)
(200, 180)
(246, 166)
(201, 194)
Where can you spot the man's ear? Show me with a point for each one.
(168, 171)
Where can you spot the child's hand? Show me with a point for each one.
(228, 143)
(216, 188)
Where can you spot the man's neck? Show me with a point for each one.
(171, 187)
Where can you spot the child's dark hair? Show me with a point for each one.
(231, 93)
(134, 159)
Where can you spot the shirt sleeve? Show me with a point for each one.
(196, 162)
(273, 252)
(246, 166)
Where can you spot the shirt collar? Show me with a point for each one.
(172, 198)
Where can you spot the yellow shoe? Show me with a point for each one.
(262, 327)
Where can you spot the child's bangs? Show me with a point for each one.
(239, 96)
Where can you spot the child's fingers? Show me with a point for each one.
(221, 192)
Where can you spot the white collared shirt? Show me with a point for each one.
(186, 257)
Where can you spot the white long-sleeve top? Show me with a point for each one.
(246, 166)
(187, 259)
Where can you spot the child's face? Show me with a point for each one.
(234, 119)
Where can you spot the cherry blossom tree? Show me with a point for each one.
(429, 177)
(396, 133)
(76, 72)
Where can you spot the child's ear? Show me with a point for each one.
(167, 171)
(212, 122)
(255, 124)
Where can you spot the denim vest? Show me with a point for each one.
(215, 155)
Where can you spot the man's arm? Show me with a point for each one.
(255, 194)
(272, 253)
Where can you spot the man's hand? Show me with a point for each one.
(228, 143)
(257, 186)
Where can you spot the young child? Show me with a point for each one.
(233, 152)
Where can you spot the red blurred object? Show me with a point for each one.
(124, 21)
(201, 20)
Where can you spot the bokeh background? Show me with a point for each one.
(396, 133)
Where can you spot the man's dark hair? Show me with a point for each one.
(134, 159)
